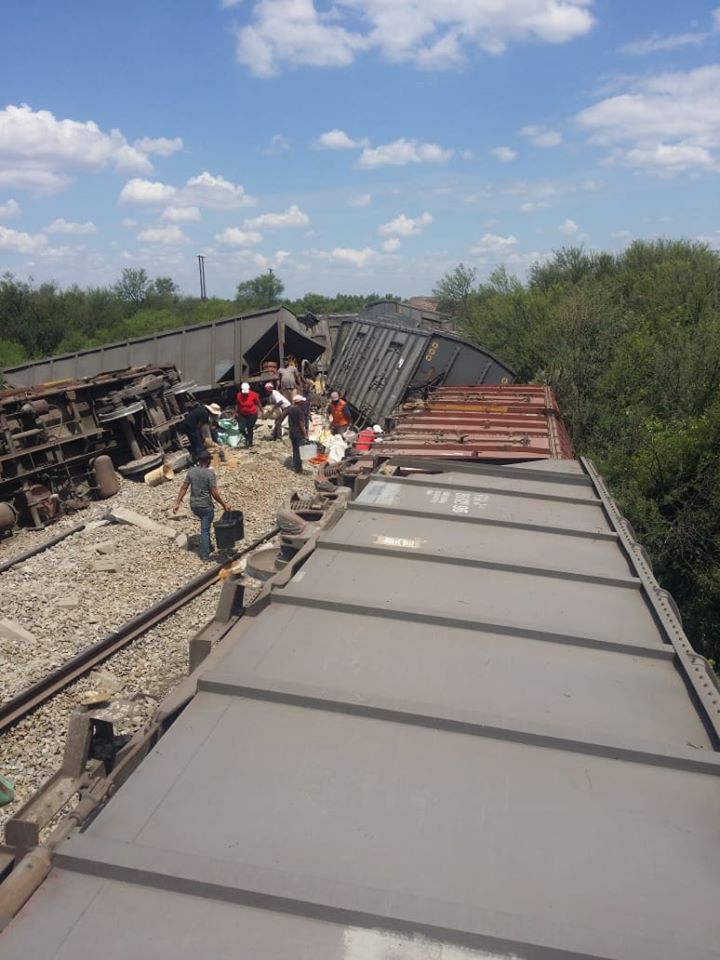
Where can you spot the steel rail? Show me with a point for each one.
(22, 557)
(38, 693)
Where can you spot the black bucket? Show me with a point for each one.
(225, 534)
(229, 529)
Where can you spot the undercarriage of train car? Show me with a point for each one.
(60, 443)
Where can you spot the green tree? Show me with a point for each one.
(454, 290)
(164, 288)
(260, 292)
(133, 286)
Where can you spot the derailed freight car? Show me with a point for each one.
(464, 722)
(56, 438)
(377, 364)
(223, 351)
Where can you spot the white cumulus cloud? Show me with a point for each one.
(162, 146)
(234, 237)
(210, 190)
(294, 32)
(432, 34)
(356, 258)
(666, 123)
(292, 217)
(339, 140)
(11, 208)
(204, 190)
(170, 236)
(541, 136)
(492, 246)
(13, 241)
(39, 152)
(503, 154)
(568, 227)
(174, 214)
(60, 225)
(403, 226)
(150, 192)
(401, 152)
(391, 245)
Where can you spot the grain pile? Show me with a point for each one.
(66, 604)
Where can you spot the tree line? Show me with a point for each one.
(39, 320)
(631, 345)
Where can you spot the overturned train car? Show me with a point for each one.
(60, 442)
(214, 354)
(377, 364)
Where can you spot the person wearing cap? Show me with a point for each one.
(202, 483)
(195, 423)
(279, 406)
(339, 413)
(247, 402)
(298, 432)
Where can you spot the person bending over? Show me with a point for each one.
(279, 407)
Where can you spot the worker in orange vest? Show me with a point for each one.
(339, 413)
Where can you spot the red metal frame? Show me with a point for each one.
(502, 422)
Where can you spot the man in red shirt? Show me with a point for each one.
(247, 402)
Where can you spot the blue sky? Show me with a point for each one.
(356, 146)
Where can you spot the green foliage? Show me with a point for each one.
(453, 292)
(133, 286)
(260, 292)
(631, 345)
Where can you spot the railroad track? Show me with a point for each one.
(53, 541)
(35, 695)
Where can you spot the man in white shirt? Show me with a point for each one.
(279, 406)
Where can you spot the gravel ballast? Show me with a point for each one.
(66, 603)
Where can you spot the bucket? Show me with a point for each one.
(229, 528)
(365, 440)
(159, 475)
(308, 451)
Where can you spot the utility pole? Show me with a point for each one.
(201, 267)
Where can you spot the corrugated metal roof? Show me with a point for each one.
(377, 363)
(469, 725)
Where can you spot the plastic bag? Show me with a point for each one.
(335, 449)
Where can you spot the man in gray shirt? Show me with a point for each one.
(289, 380)
(202, 483)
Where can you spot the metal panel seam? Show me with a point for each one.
(663, 652)
(394, 711)
(425, 555)
(465, 518)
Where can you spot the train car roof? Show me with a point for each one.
(468, 726)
